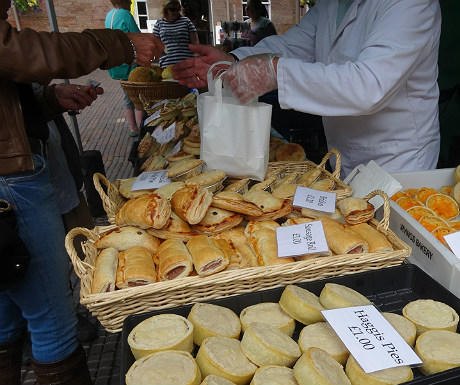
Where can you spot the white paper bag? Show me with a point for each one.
(235, 137)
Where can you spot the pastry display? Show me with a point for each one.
(161, 332)
(427, 314)
(270, 313)
(212, 320)
(265, 344)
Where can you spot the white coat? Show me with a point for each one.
(372, 79)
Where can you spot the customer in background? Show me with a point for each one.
(261, 26)
(176, 32)
(41, 301)
(369, 68)
(121, 18)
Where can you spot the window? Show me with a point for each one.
(142, 15)
(267, 6)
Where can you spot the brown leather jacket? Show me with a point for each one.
(28, 56)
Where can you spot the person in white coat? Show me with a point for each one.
(369, 68)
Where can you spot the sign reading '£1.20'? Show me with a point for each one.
(314, 199)
(301, 239)
(370, 338)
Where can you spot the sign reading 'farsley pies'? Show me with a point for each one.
(417, 242)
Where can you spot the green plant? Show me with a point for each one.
(24, 6)
(308, 3)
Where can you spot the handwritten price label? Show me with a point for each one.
(314, 199)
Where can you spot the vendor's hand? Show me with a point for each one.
(193, 72)
(75, 97)
(252, 77)
(148, 47)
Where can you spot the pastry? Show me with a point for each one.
(455, 193)
(212, 379)
(341, 241)
(161, 332)
(375, 239)
(398, 194)
(455, 224)
(444, 206)
(158, 162)
(270, 313)
(358, 376)
(191, 203)
(308, 177)
(125, 185)
(207, 178)
(355, 210)
(323, 185)
(310, 213)
(170, 367)
(411, 192)
(272, 207)
(403, 326)
(217, 220)
(321, 335)
(146, 211)
(207, 258)
(168, 190)
(229, 250)
(223, 357)
(418, 212)
(290, 152)
(301, 304)
(191, 150)
(446, 189)
(178, 156)
(275, 144)
(174, 260)
(122, 238)
(265, 344)
(286, 189)
(440, 232)
(274, 375)
(183, 166)
(431, 222)
(264, 185)
(147, 146)
(135, 267)
(238, 186)
(213, 320)
(175, 228)
(235, 202)
(105, 271)
(423, 193)
(334, 296)
(239, 242)
(408, 202)
(317, 367)
(439, 350)
(427, 314)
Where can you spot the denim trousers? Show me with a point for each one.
(41, 301)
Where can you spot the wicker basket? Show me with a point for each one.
(112, 200)
(153, 91)
(112, 308)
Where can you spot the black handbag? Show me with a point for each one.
(14, 256)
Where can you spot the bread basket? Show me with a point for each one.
(153, 91)
(113, 307)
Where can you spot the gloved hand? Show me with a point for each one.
(252, 77)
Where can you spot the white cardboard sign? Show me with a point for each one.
(370, 338)
(164, 136)
(151, 180)
(305, 238)
(453, 240)
(314, 199)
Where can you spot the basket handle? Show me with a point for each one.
(338, 162)
(79, 265)
(384, 223)
(98, 180)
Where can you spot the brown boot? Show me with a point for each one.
(10, 362)
(72, 370)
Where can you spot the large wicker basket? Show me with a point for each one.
(153, 91)
(112, 199)
(112, 308)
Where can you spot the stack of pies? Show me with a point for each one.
(192, 145)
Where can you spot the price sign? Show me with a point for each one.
(370, 338)
(151, 180)
(156, 114)
(166, 135)
(314, 199)
(305, 238)
(453, 240)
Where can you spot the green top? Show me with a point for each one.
(342, 9)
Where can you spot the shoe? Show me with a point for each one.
(10, 362)
(133, 134)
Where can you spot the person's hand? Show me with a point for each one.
(252, 77)
(148, 47)
(75, 97)
(193, 72)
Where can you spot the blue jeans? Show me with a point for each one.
(42, 300)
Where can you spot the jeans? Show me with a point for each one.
(42, 301)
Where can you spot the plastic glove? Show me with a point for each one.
(193, 72)
(252, 77)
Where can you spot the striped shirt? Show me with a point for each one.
(175, 36)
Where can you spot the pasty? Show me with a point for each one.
(236, 238)
(191, 203)
(217, 220)
(176, 228)
(272, 206)
(135, 267)
(174, 260)
(122, 238)
(235, 202)
(207, 258)
(105, 271)
(375, 239)
(356, 210)
(341, 241)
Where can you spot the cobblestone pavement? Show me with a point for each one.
(102, 127)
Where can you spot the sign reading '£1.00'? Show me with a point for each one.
(314, 199)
